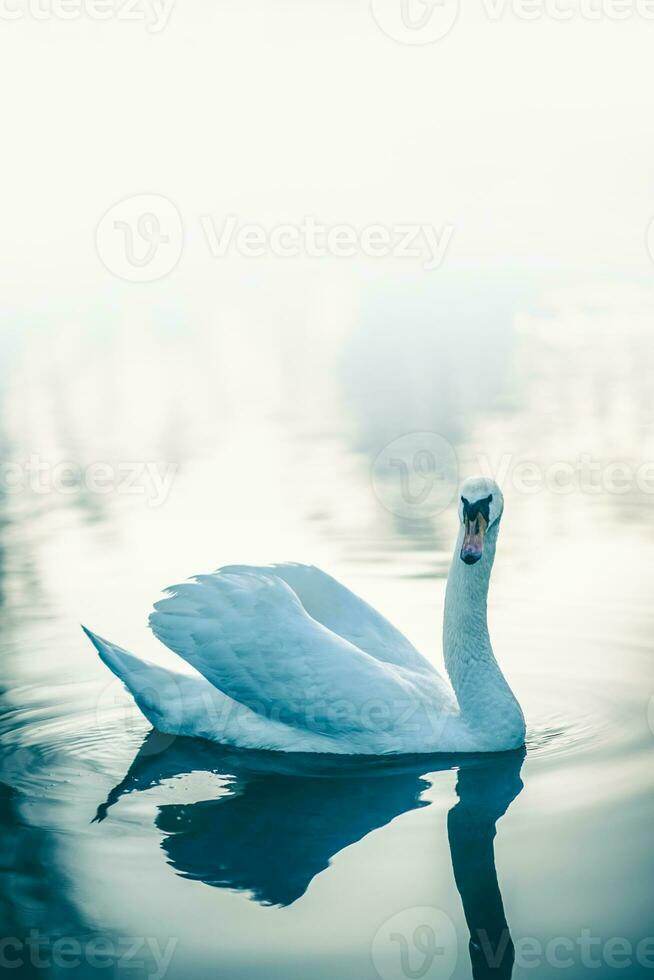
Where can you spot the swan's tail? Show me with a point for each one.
(119, 661)
(188, 704)
(168, 699)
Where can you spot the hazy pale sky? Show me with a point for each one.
(532, 139)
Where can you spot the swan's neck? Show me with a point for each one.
(486, 701)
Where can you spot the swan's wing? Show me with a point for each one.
(248, 633)
(344, 613)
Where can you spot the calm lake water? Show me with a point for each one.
(137, 856)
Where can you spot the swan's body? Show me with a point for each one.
(288, 659)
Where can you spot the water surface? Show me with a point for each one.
(189, 860)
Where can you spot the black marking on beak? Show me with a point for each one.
(482, 507)
(476, 518)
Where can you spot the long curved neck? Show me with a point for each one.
(485, 699)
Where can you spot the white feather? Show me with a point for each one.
(289, 659)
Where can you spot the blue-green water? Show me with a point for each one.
(131, 855)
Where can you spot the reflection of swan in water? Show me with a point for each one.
(486, 788)
(285, 816)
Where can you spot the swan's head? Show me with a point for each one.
(480, 506)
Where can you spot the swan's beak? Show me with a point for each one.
(473, 540)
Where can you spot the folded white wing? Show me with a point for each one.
(247, 631)
(344, 613)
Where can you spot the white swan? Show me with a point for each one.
(288, 659)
